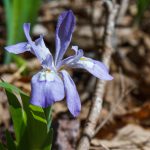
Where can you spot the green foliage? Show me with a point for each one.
(10, 142)
(142, 5)
(31, 123)
(17, 13)
(48, 112)
(2, 147)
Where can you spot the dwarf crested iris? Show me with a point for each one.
(53, 82)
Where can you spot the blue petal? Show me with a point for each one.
(38, 47)
(45, 54)
(64, 30)
(18, 48)
(26, 28)
(40, 43)
(46, 92)
(72, 96)
(71, 59)
(47, 63)
(96, 68)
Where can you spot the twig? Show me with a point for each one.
(92, 22)
(122, 10)
(112, 111)
(14, 76)
(94, 113)
(32, 64)
(120, 98)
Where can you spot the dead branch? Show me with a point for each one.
(122, 10)
(94, 113)
(112, 110)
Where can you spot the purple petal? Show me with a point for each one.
(46, 92)
(35, 49)
(64, 30)
(41, 45)
(48, 62)
(96, 68)
(38, 47)
(26, 28)
(75, 48)
(71, 59)
(44, 53)
(23, 46)
(73, 99)
(18, 48)
(74, 58)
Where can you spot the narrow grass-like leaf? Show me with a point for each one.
(10, 143)
(49, 139)
(17, 13)
(2, 146)
(30, 122)
(36, 125)
(142, 5)
(8, 12)
(18, 115)
(11, 88)
(48, 115)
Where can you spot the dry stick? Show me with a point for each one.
(120, 98)
(122, 10)
(16, 75)
(112, 111)
(94, 113)
(92, 23)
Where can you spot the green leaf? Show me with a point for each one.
(17, 13)
(48, 116)
(142, 5)
(10, 143)
(8, 9)
(36, 125)
(11, 88)
(2, 146)
(18, 115)
(31, 123)
(49, 139)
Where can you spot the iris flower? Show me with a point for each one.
(53, 82)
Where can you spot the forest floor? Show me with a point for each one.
(126, 98)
